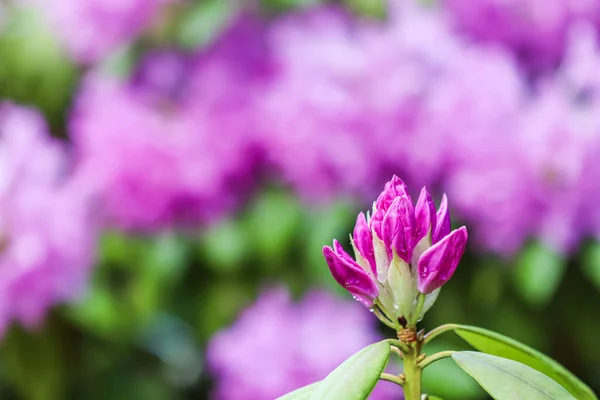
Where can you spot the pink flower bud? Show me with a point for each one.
(350, 275)
(393, 189)
(438, 263)
(402, 251)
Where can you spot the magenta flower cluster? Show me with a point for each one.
(333, 105)
(46, 230)
(176, 145)
(402, 250)
(281, 345)
(536, 31)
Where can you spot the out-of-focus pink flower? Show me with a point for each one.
(531, 175)
(315, 117)
(400, 252)
(472, 116)
(46, 231)
(277, 346)
(92, 29)
(561, 135)
(176, 145)
(535, 29)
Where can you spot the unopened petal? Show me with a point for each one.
(351, 276)
(442, 224)
(363, 241)
(394, 188)
(403, 241)
(425, 217)
(438, 263)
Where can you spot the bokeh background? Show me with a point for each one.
(170, 169)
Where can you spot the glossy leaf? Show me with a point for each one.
(302, 393)
(356, 377)
(499, 345)
(507, 379)
(445, 379)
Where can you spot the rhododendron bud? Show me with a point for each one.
(350, 274)
(404, 254)
(438, 263)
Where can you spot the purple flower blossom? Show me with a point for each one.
(167, 150)
(316, 121)
(536, 30)
(408, 261)
(278, 345)
(517, 185)
(46, 231)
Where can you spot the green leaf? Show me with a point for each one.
(507, 379)
(356, 377)
(303, 393)
(538, 273)
(500, 345)
(445, 379)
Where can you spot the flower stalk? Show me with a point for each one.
(412, 373)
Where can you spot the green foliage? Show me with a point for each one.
(33, 68)
(499, 345)
(591, 263)
(356, 377)
(304, 393)
(445, 379)
(371, 8)
(34, 362)
(202, 21)
(505, 379)
(538, 273)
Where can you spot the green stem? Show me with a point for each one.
(415, 316)
(383, 318)
(412, 373)
(386, 313)
(438, 331)
(397, 351)
(392, 378)
(401, 345)
(434, 357)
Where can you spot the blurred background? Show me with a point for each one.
(170, 170)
